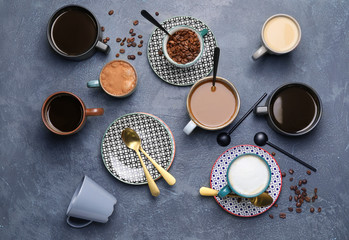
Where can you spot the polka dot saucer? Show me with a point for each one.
(232, 205)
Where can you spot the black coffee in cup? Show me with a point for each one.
(293, 109)
(74, 31)
(65, 112)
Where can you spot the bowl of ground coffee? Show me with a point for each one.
(184, 47)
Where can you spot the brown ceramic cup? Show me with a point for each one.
(53, 113)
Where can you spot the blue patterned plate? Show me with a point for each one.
(167, 71)
(156, 138)
(244, 208)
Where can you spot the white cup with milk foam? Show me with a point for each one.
(248, 176)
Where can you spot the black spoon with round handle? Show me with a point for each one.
(261, 139)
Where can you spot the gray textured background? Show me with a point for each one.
(40, 171)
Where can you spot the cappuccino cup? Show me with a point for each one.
(281, 34)
(248, 176)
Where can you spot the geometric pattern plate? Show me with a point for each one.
(156, 139)
(170, 73)
(243, 207)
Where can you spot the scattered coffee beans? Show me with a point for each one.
(307, 199)
(184, 46)
(298, 210)
(133, 34)
(160, 53)
(133, 44)
(117, 55)
(135, 22)
(283, 174)
(131, 57)
(122, 50)
(315, 191)
(319, 209)
(290, 209)
(111, 12)
(275, 205)
(157, 13)
(140, 36)
(290, 198)
(118, 40)
(282, 215)
(140, 45)
(122, 44)
(102, 29)
(131, 31)
(273, 154)
(312, 210)
(139, 53)
(291, 171)
(309, 172)
(298, 204)
(107, 38)
(291, 179)
(141, 42)
(300, 183)
(304, 181)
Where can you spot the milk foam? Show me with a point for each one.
(249, 175)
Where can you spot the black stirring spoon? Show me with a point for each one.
(261, 139)
(223, 138)
(215, 66)
(150, 18)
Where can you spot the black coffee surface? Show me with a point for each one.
(74, 32)
(65, 113)
(294, 109)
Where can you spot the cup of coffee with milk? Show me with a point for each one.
(212, 110)
(248, 176)
(281, 34)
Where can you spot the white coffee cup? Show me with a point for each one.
(90, 203)
(280, 34)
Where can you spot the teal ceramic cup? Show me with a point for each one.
(200, 35)
(248, 176)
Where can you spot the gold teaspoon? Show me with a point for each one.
(261, 200)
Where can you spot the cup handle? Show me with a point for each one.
(203, 32)
(102, 47)
(77, 225)
(261, 110)
(189, 127)
(260, 52)
(224, 191)
(93, 84)
(94, 111)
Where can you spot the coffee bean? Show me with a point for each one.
(133, 34)
(132, 57)
(298, 210)
(157, 13)
(297, 192)
(291, 171)
(122, 50)
(128, 40)
(290, 198)
(304, 194)
(273, 154)
(303, 189)
(304, 181)
(300, 200)
(291, 179)
(271, 216)
(319, 209)
(315, 196)
(140, 45)
(307, 199)
(123, 40)
(107, 38)
(129, 45)
(141, 42)
(309, 172)
(282, 215)
(312, 210)
(160, 53)
(122, 44)
(111, 12)
(275, 205)
(139, 53)
(135, 22)
(290, 209)
(300, 183)
(140, 36)
(134, 44)
(102, 29)
(132, 39)
(131, 31)
(313, 199)
(295, 198)
(295, 187)
(283, 174)
(315, 191)
(298, 204)
(118, 40)
(292, 187)
(117, 55)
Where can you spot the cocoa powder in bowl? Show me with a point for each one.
(118, 78)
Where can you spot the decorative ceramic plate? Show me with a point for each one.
(156, 139)
(244, 208)
(170, 73)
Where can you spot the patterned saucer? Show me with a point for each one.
(156, 138)
(181, 76)
(244, 208)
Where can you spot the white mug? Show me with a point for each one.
(91, 203)
(265, 48)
